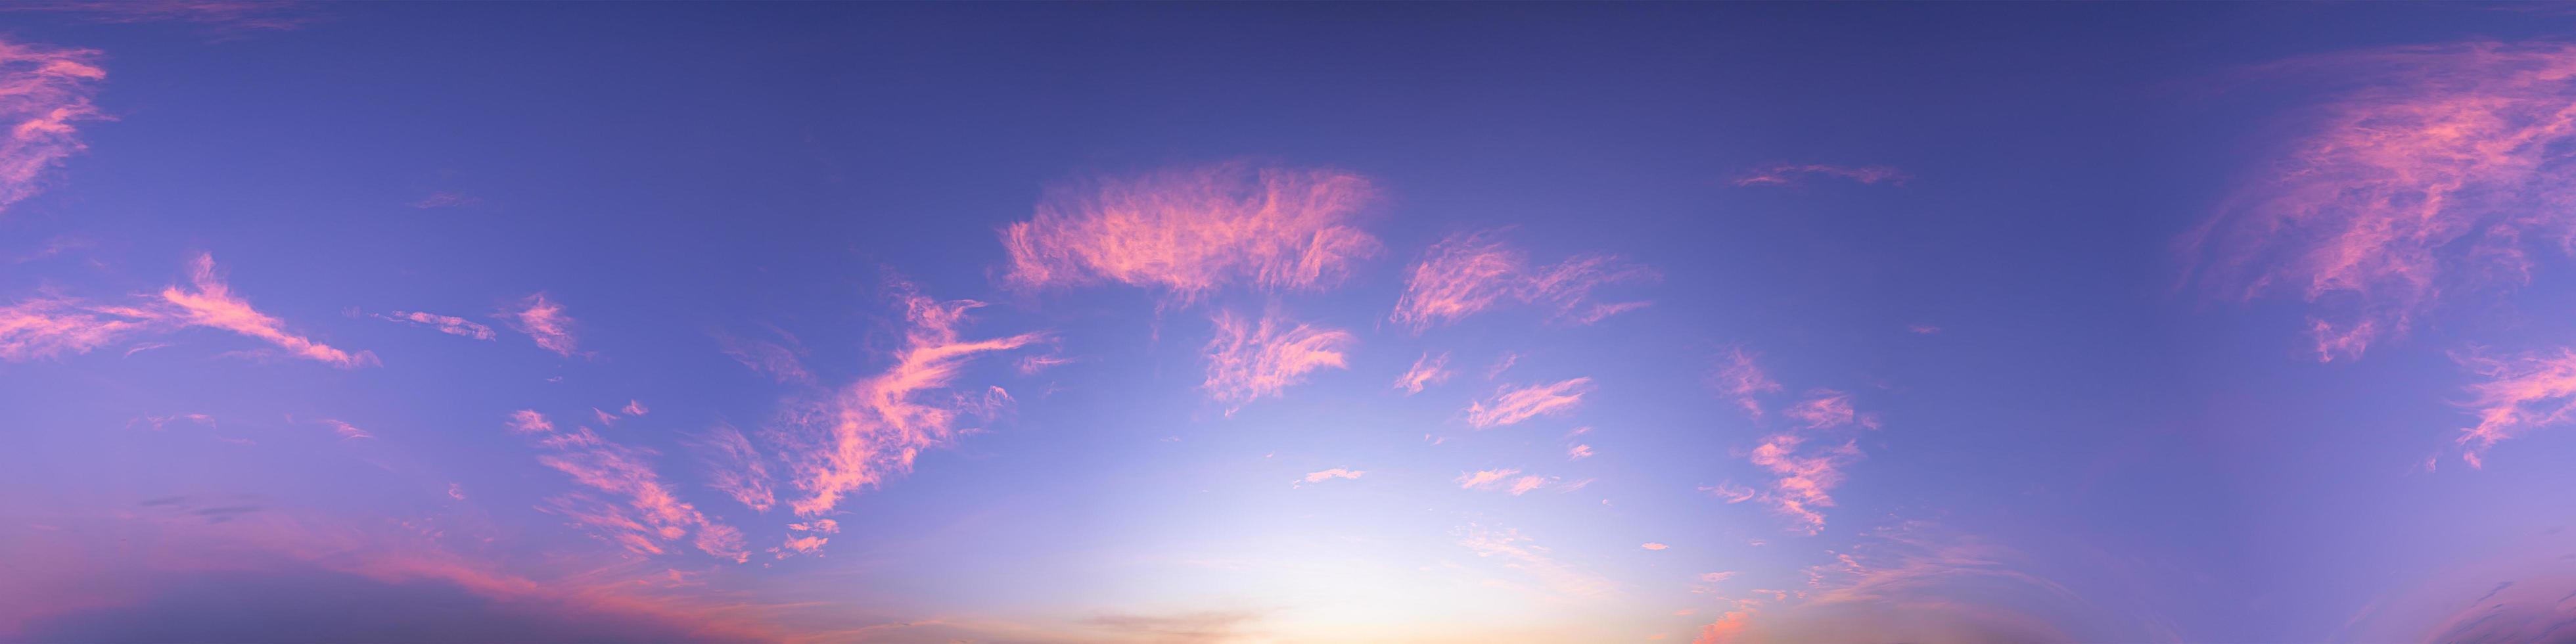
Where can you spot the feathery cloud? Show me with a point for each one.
(212, 305)
(346, 430)
(1467, 273)
(873, 429)
(43, 92)
(1327, 475)
(1740, 378)
(221, 14)
(1512, 404)
(2520, 393)
(736, 468)
(1250, 360)
(2437, 175)
(544, 321)
(48, 327)
(1792, 173)
(450, 325)
(1520, 553)
(1426, 371)
(782, 361)
(1653, 546)
(1191, 231)
(648, 513)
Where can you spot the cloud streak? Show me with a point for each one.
(874, 428)
(1513, 404)
(44, 92)
(544, 321)
(2439, 174)
(647, 514)
(450, 325)
(1787, 174)
(1468, 273)
(1250, 360)
(1189, 231)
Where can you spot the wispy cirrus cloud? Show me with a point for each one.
(1513, 404)
(44, 91)
(544, 321)
(345, 430)
(1189, 231)
(211, 304)
(1249, 360)
(447, 324)
(258, 15)
(1467, 273)
(1741, 378)
(2519, 393)
(1427, 370)
(1807, 460)
(51, 325)
(736, 468)
(873, 429)
(1327, 475)
(782, 360)
(2438, 172)
(646, 513)
(1785, 174)
(1521, 553)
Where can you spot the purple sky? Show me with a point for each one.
(1287, 322)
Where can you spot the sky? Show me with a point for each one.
(1287, 322)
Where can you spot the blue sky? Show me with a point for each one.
(1278, 323)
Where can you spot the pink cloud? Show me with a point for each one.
(1191, 231)
(212, 305)
(48, 327)
(1725, 630)
(544, 321)
(634, 408)
(1486, 479)
(648, 514)
(1653, 546)
(1327, 475)
(346, 430)
(43, 92)
(1578, 452)
(875, 428)
(1521, 554)
(1468, 273)
(450, 325)
(2520, 393)
(1426, 371)
(1740, 378)
(1806, 462)
(2435, 176)
(782, 361)
(1515, 404)
(737, 469)
(222, 14)
(1251, 360)
(1792, 173)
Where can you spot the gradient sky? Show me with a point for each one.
(1287, 323)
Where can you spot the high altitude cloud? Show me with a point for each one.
(1250, 360)
(1792, 173)
(543, 320)
(447, 324)
(223, 14)
(782, 360)
(1513, 404)
(647, 513)
(737, 469)
(2520, 393)
(1806, 462)
(50, 326)
(1913, 581)
(43, 92)
(1188, 231)
(213, 305)
(873, 429)
(2439, 174)
(1426, 371)
(1467, 273)
(1327, 475)
(1520, 553)
(1740, 378)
